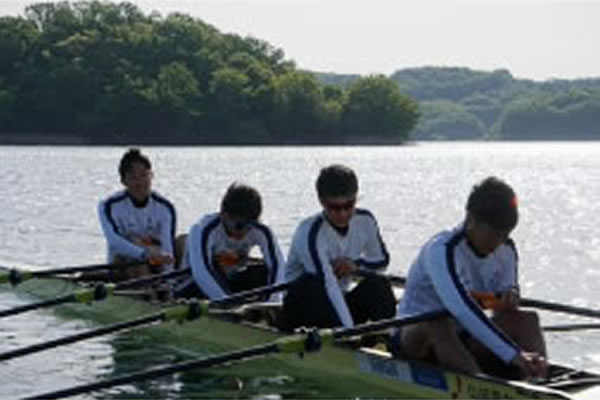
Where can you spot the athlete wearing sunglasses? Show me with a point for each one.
(326, 249)
(218, 246)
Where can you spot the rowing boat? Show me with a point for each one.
(339, 371)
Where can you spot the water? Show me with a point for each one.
(48, 218)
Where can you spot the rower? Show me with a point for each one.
(451, 271)
(138, 223)
(326, 249)
(218, 248)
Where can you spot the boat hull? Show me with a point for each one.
(333, 372)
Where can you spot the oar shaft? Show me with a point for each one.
(151, 279)
(551, 306)
(387, 323)
(43, 304)
(248, 294)
(161, 371)
(571, 327)
(84, 268)
(394, 279)
(23, 351)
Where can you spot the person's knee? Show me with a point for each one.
(530, 317)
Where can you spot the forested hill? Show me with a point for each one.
(101, 72)
(459, 103)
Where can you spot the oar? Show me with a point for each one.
(295, 344)
(179, 313)
(175, 313)
(550, 306)
(15, 276)
(571, 327)
(394, 279)
(524, 302)
(88, 295)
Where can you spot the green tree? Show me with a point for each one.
(376, 108)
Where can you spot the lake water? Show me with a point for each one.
(48, 218)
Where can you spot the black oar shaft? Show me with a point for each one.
(99, 293)
(42, 304)
(151, 279)
(550, 306)
(393, 279)
(387, 323)
(162, 371)
(23, 351)
(84, 268)
(248, 294)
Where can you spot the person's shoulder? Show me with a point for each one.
(161, 199)
(262, 227)
(309, 222)
(447, 237)
(508, 249)
(364, 212)
(114, 198)
(207, 219)
(308, 225)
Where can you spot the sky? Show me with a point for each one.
(534, 39)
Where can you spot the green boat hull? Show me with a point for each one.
(334, 372)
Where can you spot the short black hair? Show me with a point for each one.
(493, 201)
(131, 157)
(242, 201)
(336, 181)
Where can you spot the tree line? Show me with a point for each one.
(463, 104)
(108, 73)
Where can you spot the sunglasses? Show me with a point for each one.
(240, 225)
(345, 206)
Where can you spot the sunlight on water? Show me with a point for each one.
(48, 218)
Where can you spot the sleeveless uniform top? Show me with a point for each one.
(316, 244)
(126, 224)
(208, 238)
(444, 273)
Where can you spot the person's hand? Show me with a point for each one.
(227, 259)
(343, 267)
(510, 300)
(156, 257)
(531, 365)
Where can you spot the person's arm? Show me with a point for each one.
(315, 259)
(204, 273)
(375, 255)
(168, 230)
(117, 242)
(508, 284)
(273, 257)
(440, 266)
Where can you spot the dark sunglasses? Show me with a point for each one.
(238, 225)
(348, 205)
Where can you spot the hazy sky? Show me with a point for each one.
(537, 39)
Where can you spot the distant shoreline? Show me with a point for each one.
(62, 140)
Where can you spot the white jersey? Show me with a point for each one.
(127, 225)
(316, 244)
(208, 238)
(444, 273)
